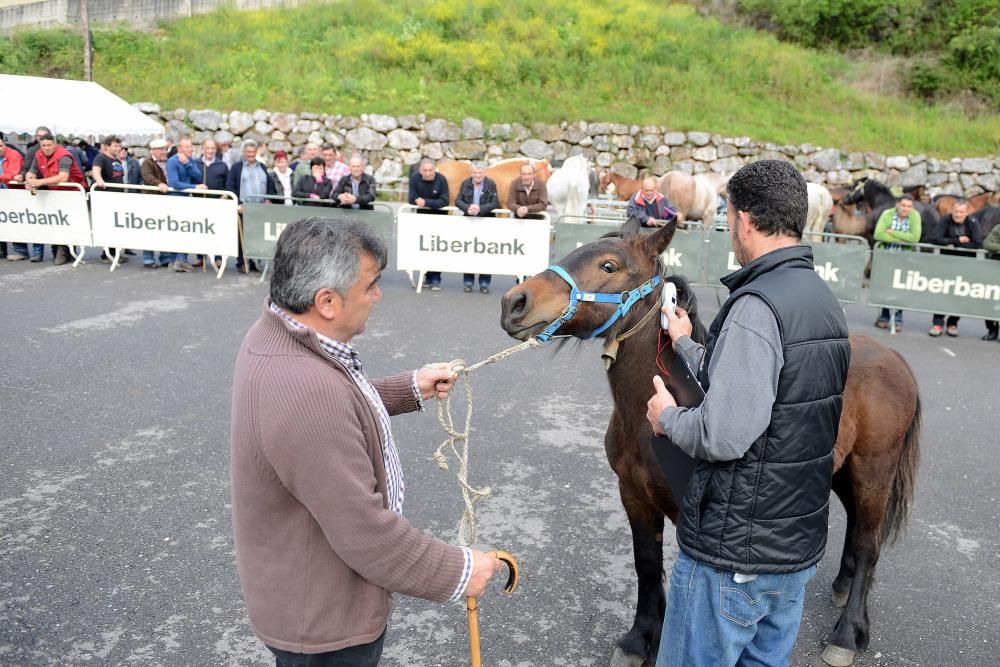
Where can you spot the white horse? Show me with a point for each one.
(569, 186)
(820, 204)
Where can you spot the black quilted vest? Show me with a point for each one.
(767, 512)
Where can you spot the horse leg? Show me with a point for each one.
(842, 584)
(852, 631)
(642, 641)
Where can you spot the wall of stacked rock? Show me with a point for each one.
(392, 143)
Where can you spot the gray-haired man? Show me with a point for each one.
(248, 180)
(321, 541)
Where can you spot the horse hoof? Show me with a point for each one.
(839, 599)
(619, 659)
(836, 656)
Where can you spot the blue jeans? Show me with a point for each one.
(37, 249)
(884, 316)
(148, 257)
(712, 621)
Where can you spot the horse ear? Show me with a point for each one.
(630, 228)
(658, 241)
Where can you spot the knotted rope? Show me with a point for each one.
(470, 495)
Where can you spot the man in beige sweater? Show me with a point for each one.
(321, 542)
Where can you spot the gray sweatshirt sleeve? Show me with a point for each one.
(744, 373)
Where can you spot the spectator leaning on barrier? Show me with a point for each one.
(315, 186)
(958, 230)
(478, 198)
(774, 369)
(248, 180)
(154, 174)
(898, 228)
(527, 195)
(184, 174)
(107, 167)
(11, 163)
(356, 189)
(281, 177)
(649, 207)
(213, 168)
(992, 245)
(51, 166)
(31, 148)
(333, 160)
(429, 191)
(317, 487)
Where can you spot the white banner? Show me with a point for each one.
(471, 245)
(164, 222)
(48, 216)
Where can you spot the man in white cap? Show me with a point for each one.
(154, 173)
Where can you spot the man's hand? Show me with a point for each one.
(963, 239)
(484, 566)
(162, 187)
(678, 324)
(473, 210)
(436, 380)
(419, 201)
(31, 181)
(522, 211)
(201, 186)
(662, 399)
(346, 198)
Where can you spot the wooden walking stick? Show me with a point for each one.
(473, 607)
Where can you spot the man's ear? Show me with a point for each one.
(327, 303)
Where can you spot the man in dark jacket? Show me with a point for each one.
(753, 524)
(214, 169)
(429, 191)
(958, 230)
(248, 180)
(477, 197)
(356, 189)
(649, 207)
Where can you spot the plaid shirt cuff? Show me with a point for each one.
(416, 393)
(463, 583)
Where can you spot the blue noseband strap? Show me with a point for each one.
(625, 301)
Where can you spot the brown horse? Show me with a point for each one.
(876, 454)
(624, 187)
(944, 203)
(503, 174)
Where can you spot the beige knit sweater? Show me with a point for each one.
(317, 548)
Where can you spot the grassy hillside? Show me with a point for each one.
(629, 61)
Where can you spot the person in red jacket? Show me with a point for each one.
(52, 166)
(11, 163)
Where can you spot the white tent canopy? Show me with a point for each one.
(71, 108)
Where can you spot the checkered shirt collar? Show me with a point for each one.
(342, 352)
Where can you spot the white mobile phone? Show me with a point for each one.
(668, 296)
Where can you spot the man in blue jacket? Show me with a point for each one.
(183, 174)
(248, 180)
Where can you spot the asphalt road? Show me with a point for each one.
(115, 538)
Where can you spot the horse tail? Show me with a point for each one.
(903, 483)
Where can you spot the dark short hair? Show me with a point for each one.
(316, 162)
(46, 137)
(774, 195)
(908, 197)
(321, 253)
(110, 139)
(961, 201)
(328, 147)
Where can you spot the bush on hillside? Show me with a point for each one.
(963, 34)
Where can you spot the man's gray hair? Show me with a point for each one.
(427, 160)
(248, 142)
(317, 253)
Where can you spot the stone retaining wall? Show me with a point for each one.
(392, 143)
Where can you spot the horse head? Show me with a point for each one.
(855, 193)
(543, 170)
(615, 264)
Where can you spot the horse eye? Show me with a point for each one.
(609, 267)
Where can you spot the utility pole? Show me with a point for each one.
(88, 50)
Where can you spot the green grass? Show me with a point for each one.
(628, 61)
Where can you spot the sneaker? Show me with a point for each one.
(435, 288)
(952, 331)
(36, 258)
(150, 265)
(130, 252)
(218, 264)
(467, 288)
(882, 324)
(13, 257)
(936, 331)
(484, 289)
(181, 267)
(197, 264)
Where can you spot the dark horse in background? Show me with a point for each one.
(876, 197)
(876, 454)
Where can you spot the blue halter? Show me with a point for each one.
(625, 301)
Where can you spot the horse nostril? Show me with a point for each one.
(520, 305)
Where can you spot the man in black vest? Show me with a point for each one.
(753, 523)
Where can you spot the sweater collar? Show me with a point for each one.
(326, 347)
(797, 256)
